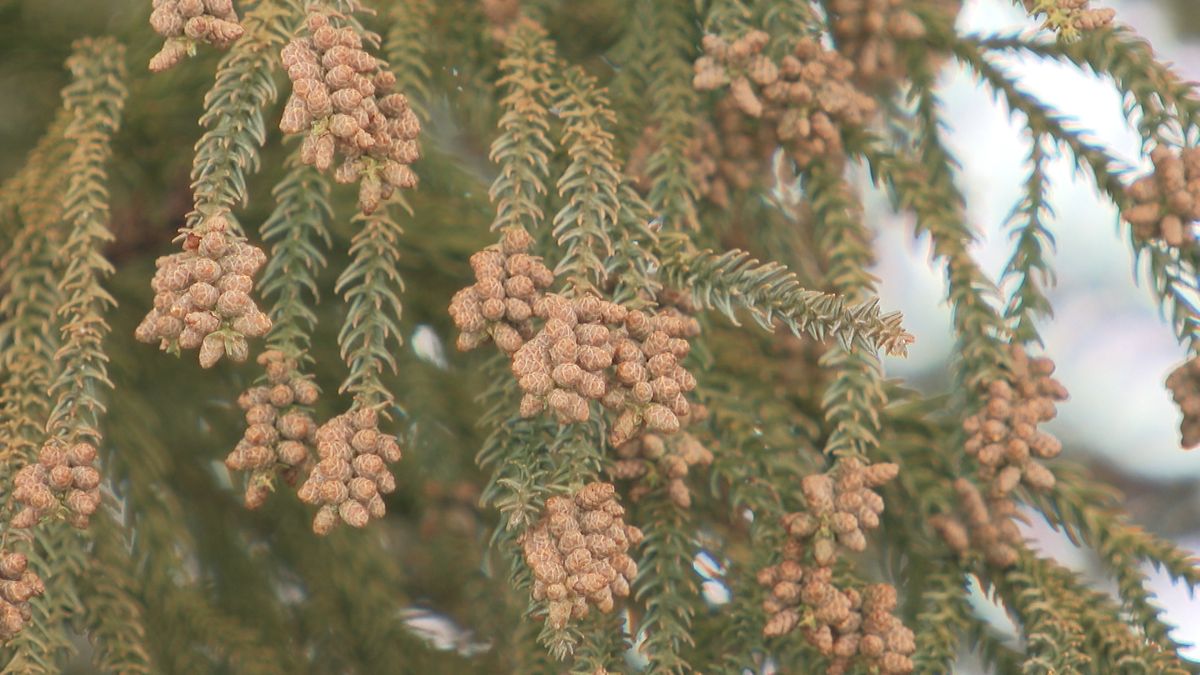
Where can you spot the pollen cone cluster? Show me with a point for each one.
(842, 507)
(202, 296)
(185, 22)
(1167, 202)
(499, 305)
(808, 97)
(352, 475)
(867, 32)
(1184, 383)
(844, 625)
(841, 623)
(651, 459)
(343, 98)
(1071, 14)
(725, 156)
(578, 553)
(65, 474)
(279, 428)
(1004, 435)
(18, 584)
(987, 525)
(563, 367)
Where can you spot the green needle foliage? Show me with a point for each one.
(685, 454)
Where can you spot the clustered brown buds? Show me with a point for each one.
(202, 296)
(587, 349)
(867, 33)
(1005, 439)
(724, 158)
(987, 525)
(352, 475)
(65, 474)
(1075, 14)
(651, 459)
(808, 97)
(578, 553)
(18, 584)
(499, 305)
(185, 22)
(842, 507)
(1167, 202)
(840, 622)
(1184, 383)
(279, 428)
(343, 98)
(1004, 434)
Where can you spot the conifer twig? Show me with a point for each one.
(371, 285)
(770, 292)
(522, 148)
(297, 230)
(96, 98)
(233, 112)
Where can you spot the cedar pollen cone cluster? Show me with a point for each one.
(724, 156)
(186, 22)
(650, 459)
(1167, 202)
(64, 475)
(279, 427)
(1184, 383)
(202, 296)
(808, 98)
(845, 625)
(1075, 15)
(867, 33)
(588, 349)
(1006, 441)
(499, 305)
(18, 584)
(342, 99)
(349, 481)
(578, 553)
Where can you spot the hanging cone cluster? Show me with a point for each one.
(343, 98)
(722, 159)
(1071, 14)
(588, 349)
(1005, 439)
(867, 32)
(349, 481)
(1184, 383)
(563, 366)
(1167, 202)
(499, 306)
(578, 553)
(841, 507)
(18, 584)
(1004, 435)
(65, 474)
(186, 22)
(279, 427)
(202, 296)
(988, 525)
(650, 459)
(844, 625)
(808, 97)
(841, 623)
